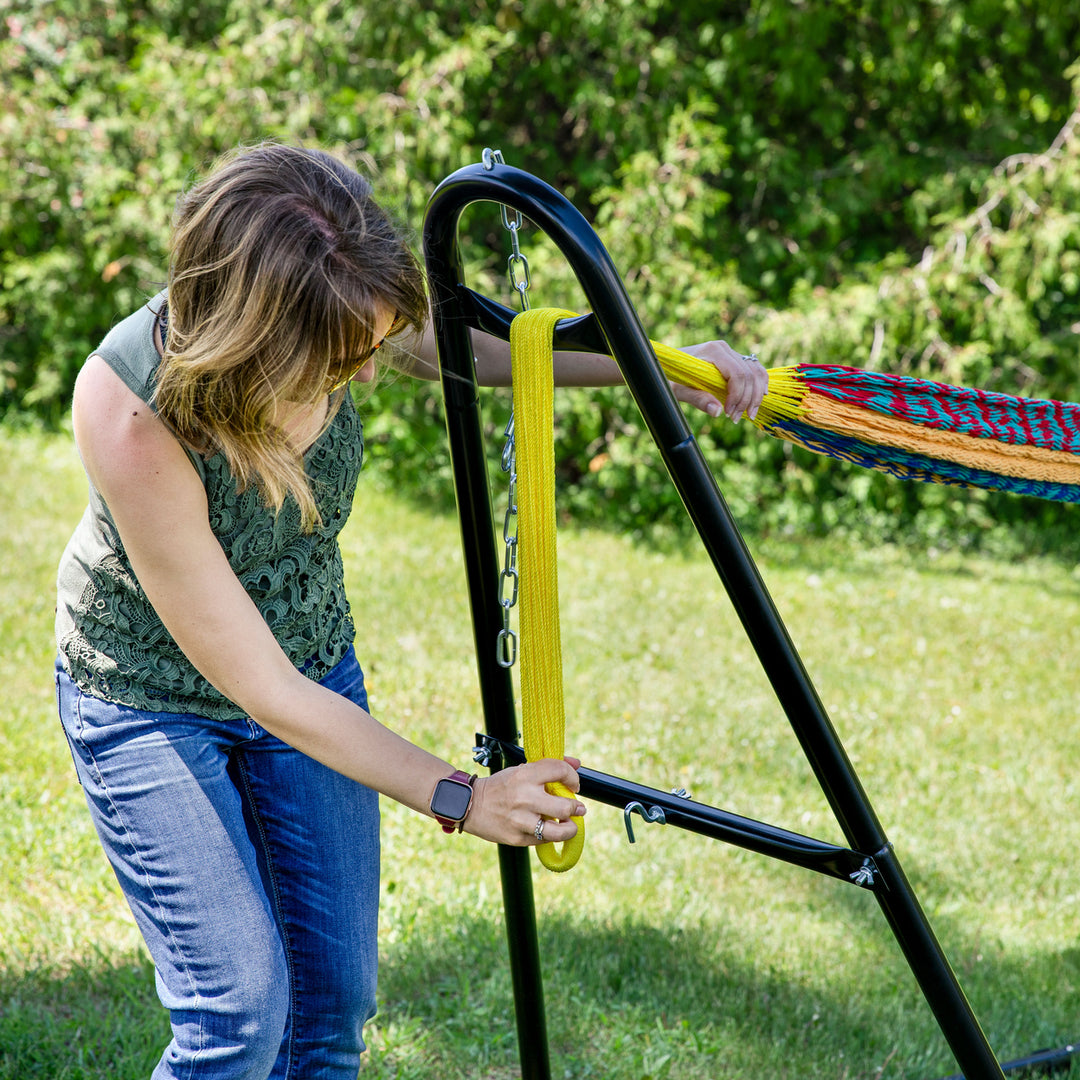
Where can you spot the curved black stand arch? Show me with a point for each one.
(614, 328)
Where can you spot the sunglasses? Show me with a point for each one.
(396, 327)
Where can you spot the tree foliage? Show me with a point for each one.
(891, 184)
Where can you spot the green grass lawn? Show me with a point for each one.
(953, 682)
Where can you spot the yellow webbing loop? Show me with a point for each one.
(543, 718)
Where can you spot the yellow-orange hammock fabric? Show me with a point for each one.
(913, 428)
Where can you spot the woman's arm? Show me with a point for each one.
(747, 380)
(159, 506)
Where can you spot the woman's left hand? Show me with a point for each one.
(746, 380)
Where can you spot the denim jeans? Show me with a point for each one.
(253, 874)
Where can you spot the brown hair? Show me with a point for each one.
(281, 263)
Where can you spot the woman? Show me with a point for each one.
(206, 678)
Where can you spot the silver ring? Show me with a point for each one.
(752, 357)
(539, 830)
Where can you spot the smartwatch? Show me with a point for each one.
(451, 800)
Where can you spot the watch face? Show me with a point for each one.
(451, 799)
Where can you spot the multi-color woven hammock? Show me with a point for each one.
(915, 429)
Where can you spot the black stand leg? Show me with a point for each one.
(525, 968)
(933, 973)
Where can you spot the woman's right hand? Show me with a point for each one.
(508, 805)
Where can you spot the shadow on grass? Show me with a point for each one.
(96, 1021)
(626, 1000)
(1025, 1002)
(636, 1000)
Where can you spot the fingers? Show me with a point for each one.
(747, 381)
(554, 771)
(555, 806)
(549, 831)
(559, 808)
(746, 388)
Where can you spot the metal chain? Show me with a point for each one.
(517, 271)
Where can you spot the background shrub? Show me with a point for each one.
(887, 185)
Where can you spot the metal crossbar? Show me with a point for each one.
(869, 862)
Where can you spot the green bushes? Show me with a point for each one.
(864, 183)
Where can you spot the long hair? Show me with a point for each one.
(281, 263)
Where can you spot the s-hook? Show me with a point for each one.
(653, 815)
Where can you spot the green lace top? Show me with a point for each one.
(111, 641)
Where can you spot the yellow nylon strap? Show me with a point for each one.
(543, 718)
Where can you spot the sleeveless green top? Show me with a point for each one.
(111, 641)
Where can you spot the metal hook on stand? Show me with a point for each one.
(653, 815)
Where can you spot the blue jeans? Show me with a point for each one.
(253, 874)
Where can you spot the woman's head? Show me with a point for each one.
(283, 270)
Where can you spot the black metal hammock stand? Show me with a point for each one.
(613, 328)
